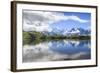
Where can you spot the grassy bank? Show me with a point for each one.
(36, 37)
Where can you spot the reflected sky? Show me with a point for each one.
(57, 51)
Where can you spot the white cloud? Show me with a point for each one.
(41, 20)
(76, 18)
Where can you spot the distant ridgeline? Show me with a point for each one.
(36, 37)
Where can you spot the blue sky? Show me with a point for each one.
(68, 24)
(48, 20)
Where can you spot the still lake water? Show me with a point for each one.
(57, 51)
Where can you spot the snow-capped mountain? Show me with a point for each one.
(73, 31)
(55, 31)
(65, 32)
(77, 31)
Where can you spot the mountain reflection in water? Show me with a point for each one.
(57, 51)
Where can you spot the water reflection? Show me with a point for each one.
(57, 50)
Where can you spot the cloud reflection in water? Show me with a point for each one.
(56, 51)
